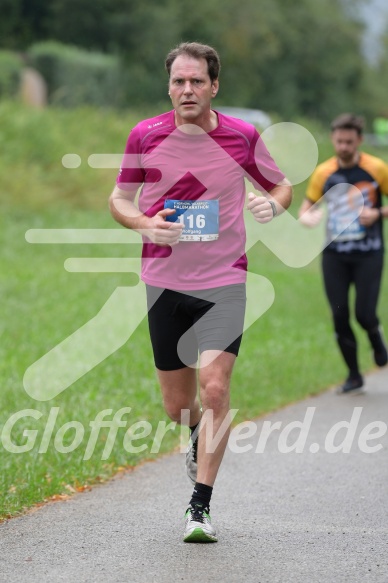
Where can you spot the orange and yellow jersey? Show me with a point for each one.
(346, 191)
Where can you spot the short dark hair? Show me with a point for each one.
(348, 121)
(197, 51)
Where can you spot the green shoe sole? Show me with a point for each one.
(199, 536)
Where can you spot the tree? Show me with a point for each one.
(293, 58)
(23, 22)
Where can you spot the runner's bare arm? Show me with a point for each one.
(309, 216)
(156, 228)
(264, 208)
(369, 216)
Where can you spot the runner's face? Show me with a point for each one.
(191, 89)
(346, 144)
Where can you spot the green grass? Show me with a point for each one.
(288, 354)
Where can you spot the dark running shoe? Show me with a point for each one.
(352, 386)
(380, 352)
(381, 358)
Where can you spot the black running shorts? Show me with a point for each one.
(182, 324)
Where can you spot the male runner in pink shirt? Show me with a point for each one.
(191, 164)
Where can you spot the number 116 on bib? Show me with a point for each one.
(200, 219)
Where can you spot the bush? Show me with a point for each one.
(10, 71)
(76, 77)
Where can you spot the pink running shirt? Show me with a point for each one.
(170, 163)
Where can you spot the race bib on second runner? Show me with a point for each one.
(344, 204)
(340, 229)
(200, 218)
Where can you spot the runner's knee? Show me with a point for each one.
(215, 395)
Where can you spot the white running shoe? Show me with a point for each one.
(198, 527)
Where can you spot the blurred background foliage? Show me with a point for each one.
(302, 58)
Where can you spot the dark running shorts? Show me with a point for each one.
(184, 323)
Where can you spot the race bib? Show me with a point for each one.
(200, 218)
(340, 229)
(344, 204)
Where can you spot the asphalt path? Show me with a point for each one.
(306, 502)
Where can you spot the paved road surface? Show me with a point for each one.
(314, 516)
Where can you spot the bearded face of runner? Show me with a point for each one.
(346, 144)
